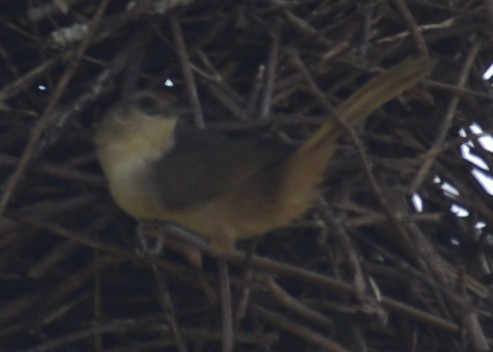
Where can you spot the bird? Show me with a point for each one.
(220, 187)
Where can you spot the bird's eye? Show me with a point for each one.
(147, 104)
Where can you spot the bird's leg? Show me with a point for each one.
(147, 230)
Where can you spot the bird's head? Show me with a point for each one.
(142, 123)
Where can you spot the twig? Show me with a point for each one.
(267, 282)
(270, 70)
(46, 116)
(64, 173)
(186, 68)
(65, 249)
(447, 121)
(459, 91)
(261, 263)
(300, 331)
(166, 303)
(351, 254)
(413, 27)
(226, 305)
(30, 77)
(255, 90)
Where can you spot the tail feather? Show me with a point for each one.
(378, 91)
(307, 166)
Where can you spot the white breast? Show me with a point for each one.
(130, 187)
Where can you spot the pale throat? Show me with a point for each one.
(130, 175)
(131, 160)
(127, 160)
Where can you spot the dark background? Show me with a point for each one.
(364, 271)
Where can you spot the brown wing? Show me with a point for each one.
(204, 165)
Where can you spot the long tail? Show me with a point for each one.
(378, 91)
(306, 167)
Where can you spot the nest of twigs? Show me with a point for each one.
(398, 254)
